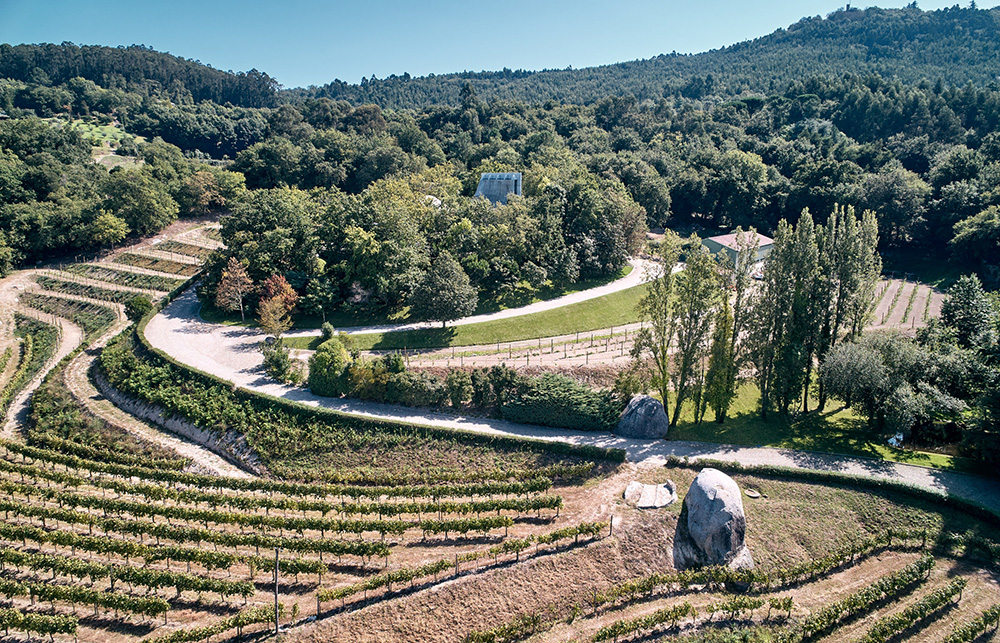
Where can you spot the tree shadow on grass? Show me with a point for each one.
(422, 338)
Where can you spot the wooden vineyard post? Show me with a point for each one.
(276, 550)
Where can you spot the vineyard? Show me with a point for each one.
(393, 532)
(109, 275)
(156, 263)
(181, 248)
(107, 536)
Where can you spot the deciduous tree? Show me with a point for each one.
(444, 293)
(656, 312)
(234, 287)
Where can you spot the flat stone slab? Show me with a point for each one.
(650, 496)
(753, 493)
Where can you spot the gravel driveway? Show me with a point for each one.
(231, 352)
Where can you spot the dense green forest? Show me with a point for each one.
(955, 44)
(358, 201)
(337, 191)
(135, 69)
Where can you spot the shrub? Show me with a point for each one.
(277, 360)
(326, 369)
(482, 390)
(415, 388)
(556, 400)
(367, 379)
(459, 385)
(394, 362)
(137, 307)
(327, 331)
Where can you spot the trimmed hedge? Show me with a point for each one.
(556, 400)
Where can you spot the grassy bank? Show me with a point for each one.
(616, 309)
(836, 430)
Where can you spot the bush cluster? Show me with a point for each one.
(549, 399)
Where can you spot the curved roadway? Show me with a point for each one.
(231, 353)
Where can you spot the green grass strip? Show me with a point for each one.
(615, 309)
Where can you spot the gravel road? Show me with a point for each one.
(230, 352)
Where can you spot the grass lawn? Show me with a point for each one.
(836, 430)
(616, 309)
(936, 271)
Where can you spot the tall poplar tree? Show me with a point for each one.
(698, 294)
(852, 266)
(656, 312)
(719, 391)
(742, 283)
(800, 260)
(770, 311)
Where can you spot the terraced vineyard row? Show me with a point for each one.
(122, 277)
(84, 290)
(93, 318)
(157, 264)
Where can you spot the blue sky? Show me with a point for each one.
(302, 42)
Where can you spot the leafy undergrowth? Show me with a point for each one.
(57, 421)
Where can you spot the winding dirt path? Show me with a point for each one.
(70, 336)
(79, 384)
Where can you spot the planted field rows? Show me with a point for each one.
(78, 289)
(93, 318)
(81, 538)
(905, 305)
(157, 264)
(186, 249)
(122, 277)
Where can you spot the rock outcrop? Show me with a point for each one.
(712, 525)
(643, 419)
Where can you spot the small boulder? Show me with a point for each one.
(712, 525)
(650, 496)
(643, 419)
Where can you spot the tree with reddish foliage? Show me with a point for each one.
(277, 287)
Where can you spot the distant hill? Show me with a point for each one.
(956, 45)
(135, 68)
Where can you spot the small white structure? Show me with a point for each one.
(497, 186)
(727, 243)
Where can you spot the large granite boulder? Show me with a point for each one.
(712, 525)
(644, 419)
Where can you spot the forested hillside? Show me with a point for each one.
(955, 44)
(136, 69)
(350, 181)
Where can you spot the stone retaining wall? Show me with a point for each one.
(230, 445)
